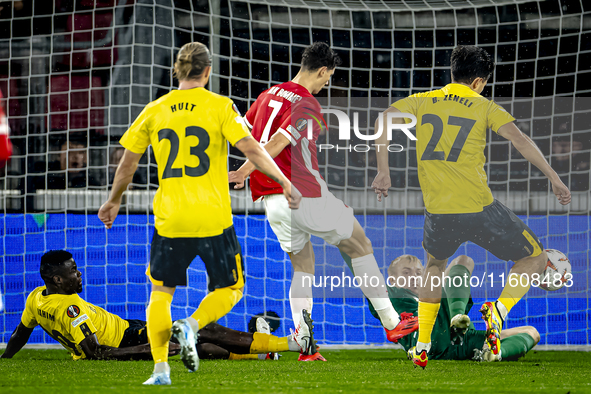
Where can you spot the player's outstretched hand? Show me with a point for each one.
(381, 184)
(293, 196)
(237, 178)
(108, 213)
(561, 192)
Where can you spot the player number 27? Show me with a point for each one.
(198, 151)
(466, 126)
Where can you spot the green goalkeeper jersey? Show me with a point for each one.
(443, 346)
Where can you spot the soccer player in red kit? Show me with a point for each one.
(5, 153)
(287, 119)
(5, 145)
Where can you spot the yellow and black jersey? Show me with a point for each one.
(69, 319)
(451, 135)
(189, 130)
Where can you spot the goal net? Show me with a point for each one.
(75, 74)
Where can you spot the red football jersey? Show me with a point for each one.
(291, 110)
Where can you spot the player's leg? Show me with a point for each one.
(516, 342)
(223, 260)
(169, 259)
(515, 290)
(363, 264)
(330, 219)
(239, 342)
(429, 303)
(300, 291)
(442, 234)
(209, 351)
(457, 290)
(296, 244)
(506, 236)
(159, 324)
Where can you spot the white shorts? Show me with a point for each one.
(326, 217)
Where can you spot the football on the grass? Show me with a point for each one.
(557, 271)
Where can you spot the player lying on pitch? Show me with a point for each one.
(447, 341)
(88, 331)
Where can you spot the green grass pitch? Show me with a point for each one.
(51, 371)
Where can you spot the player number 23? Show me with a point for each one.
(198, 150)
(466, 126)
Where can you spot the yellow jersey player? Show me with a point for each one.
(452, 124)
(189, 129)
(89, 332)
(85, 330)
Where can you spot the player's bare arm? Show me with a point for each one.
(273, 147)
(532, 153)
(95, 351)
(123, 176)
(264, 163)
(382, 181)
(18, 339)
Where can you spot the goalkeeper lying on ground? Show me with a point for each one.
(90, 332)
(457, 341)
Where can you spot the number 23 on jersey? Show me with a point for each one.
(196, 150)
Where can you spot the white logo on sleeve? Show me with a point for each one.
(76, 322)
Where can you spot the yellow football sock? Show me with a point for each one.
(265, 343)
(511, 295)
(216, 304)
(159, 323)
(234, 356)
(427, 315)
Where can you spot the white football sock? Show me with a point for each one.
(374, 288)
(292, 344)
(300, 295)
(161, 367)
(423, 346)
(193, 323)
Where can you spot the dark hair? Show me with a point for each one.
(51, 262)
(191, 61)
(469, 62)
(319, 55)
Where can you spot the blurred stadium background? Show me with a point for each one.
(75, 73)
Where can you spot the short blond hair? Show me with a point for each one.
(394, 263)
(191, 61)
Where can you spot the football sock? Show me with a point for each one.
(234, 356)
(193, 323)
(458, 296)
(516, 346)
(427, 315)
(512, 294)
(161, 367)
(376, 292)
(216, 305)
(300, 295)
(420, 346)
(159, 323)
(292, 344)
(502, 310)
(265, 343)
